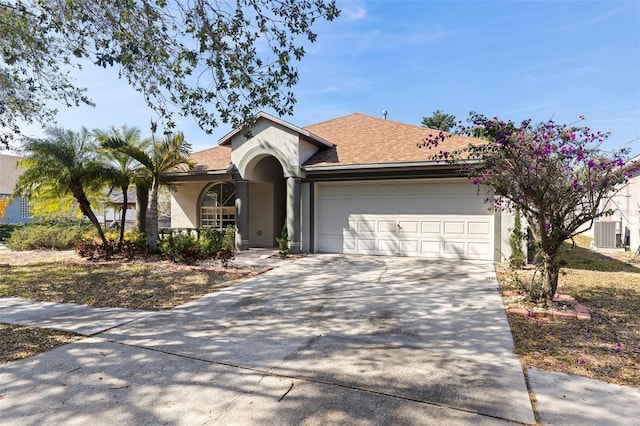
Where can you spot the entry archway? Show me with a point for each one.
(268, 199)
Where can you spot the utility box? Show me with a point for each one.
(607, 234)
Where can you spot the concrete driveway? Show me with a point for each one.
(326, 339)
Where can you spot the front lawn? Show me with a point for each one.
(605, 348)
(44, 276)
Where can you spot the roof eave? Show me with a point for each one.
(305, 134)
(217, 172)
(372, 166)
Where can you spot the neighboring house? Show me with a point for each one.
(112, 212)
(18, 210)
(113, 209)
(623, 227)
(355, 184)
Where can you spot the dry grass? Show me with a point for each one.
(21, 341)
(605, 348)
(138, 285)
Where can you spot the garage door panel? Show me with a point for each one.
(366, 246)
(454, 228)
(479, 249)
(409, 247)
(387, 226)
(366, 226)
(386, 246)
(428, 227)
(456, 248)
(430, 247)
(412, 219)
(408, 226)
(479, 228)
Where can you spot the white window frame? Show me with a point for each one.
(221, 215)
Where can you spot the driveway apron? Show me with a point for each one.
(326, 339)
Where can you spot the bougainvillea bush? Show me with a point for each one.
(555, 174)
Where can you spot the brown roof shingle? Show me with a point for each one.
(363, 139)
(217, 158)
(358, 139)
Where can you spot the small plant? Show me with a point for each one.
(210, 242)
(225, 256)
(181, 248)
(229, 239)
(227, 252)
(283, 242)
(92, 249)
(186, 248)
(517, 257)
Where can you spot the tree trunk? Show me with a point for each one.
(142, 200)
(152, 217)
(550, 275)
(123, 217)
(85, 207)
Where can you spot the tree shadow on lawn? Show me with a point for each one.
(582, 258)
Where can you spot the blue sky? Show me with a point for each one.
(511, 59)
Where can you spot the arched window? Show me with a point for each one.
(218, 206)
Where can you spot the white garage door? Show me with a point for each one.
(442, 219)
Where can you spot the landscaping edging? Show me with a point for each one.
(579, 311)
(194, 268)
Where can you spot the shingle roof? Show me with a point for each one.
(217, 158)
(358, 139)
(363, 139)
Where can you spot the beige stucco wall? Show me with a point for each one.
(184, 202)
(8, 173)
(269, 138)
(261, 230)
(306, 150)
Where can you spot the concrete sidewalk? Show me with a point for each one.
(79, 319)
(323, 340)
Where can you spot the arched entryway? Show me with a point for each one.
(268, 192)
(217, 206)
(268, 200)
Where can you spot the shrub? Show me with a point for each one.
(517, 257)
(180, 248)
(225, 255)
(7, 229)
(283, 242)
(94, 249)
(186, 248)
(48, 235)
(229, 239)
(210, 243)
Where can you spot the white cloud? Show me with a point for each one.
(353, 10)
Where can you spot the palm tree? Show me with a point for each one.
(127, 170)
(161, 157)
(64, 163)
